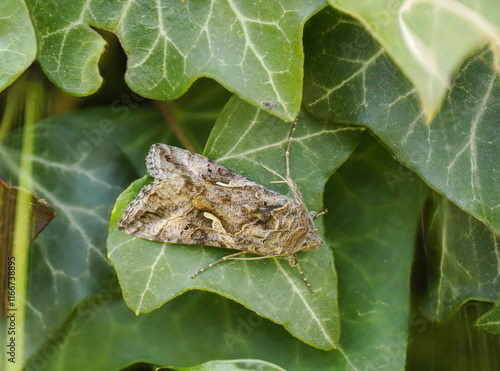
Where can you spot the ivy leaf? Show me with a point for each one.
(371, 227)
(375, 204)
(457, 154)
(17, 41)
(421, 37)
(254, 49)
(463, 256)
(152, 273)
(68, 262)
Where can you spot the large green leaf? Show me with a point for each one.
(376, 204)
(370, 225)
(254, 49)
(464, 259)
(81, 162)
(457, 154)
(152, 273)
(17, 41)
(421, 37)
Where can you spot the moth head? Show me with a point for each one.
(312, 241)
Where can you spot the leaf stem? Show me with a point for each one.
(173, 122)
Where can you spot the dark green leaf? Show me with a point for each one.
(17, 41)
(79, 169)
(254, 49)
(457, 154)
(421, 37)
(374, 205)
(464, 259)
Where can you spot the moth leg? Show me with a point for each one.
(233, 257)
(227, 257)
(292, 258)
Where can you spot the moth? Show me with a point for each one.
(194, 200)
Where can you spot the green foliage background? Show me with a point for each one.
(398, 137)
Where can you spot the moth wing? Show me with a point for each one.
(255, 218)
(163, 211)
(144, 216)
(164, 161)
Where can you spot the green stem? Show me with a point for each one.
(22, 227)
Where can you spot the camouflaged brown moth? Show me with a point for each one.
(194, 200)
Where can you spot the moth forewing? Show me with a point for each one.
(194, 200)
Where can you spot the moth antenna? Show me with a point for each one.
(227, 257)
(288, 179)
(295, 190)
(287, 154)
